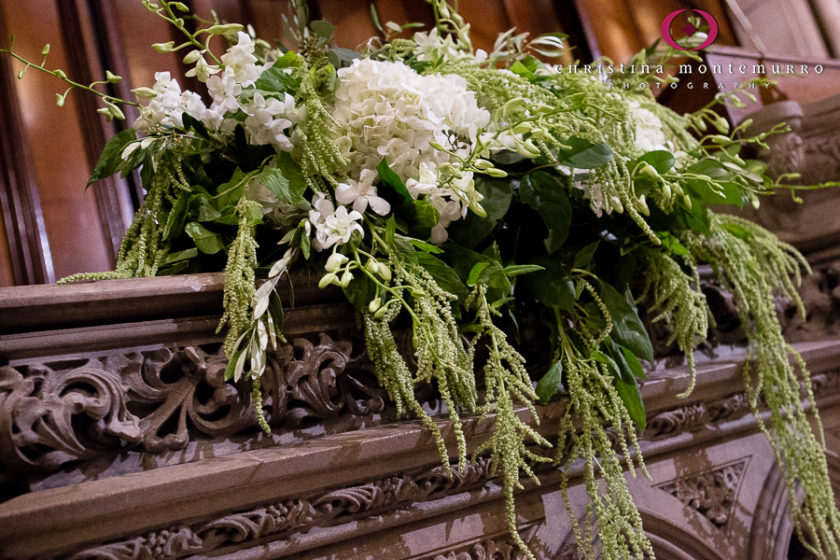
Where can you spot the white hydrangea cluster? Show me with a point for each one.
(266, 121)
(422, 125)
(650, 133)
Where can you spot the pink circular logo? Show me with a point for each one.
(689, 29)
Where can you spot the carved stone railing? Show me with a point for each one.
(119, 439)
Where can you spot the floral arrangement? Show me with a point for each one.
(450, 192)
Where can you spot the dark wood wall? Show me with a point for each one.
(51, 226)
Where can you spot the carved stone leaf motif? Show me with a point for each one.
(712, 493)
(299, 514)
(499, 547)
(160, 400)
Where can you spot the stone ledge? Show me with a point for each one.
(193, 494)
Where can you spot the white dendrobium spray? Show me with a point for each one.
(167, 104)
(362, 194)
(333, 226)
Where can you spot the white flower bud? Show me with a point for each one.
(335, 262)
(192, 57)
(327, 279)
(346, 278)
(374, 305)
(164, 47)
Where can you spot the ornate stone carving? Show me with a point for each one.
(711, 493)
(497, 547)
(697, 416)
(693, 417)
(292, 515)
(160, 400)
(490, 549)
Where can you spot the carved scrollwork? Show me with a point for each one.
(50, 417)
(498, 547)
(290, 515)
(711, 493)
(160, 400)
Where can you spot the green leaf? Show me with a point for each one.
(290, 59)
(421, 217)
(550, 383)
(192, 123)
(553, 286)
(632, 399)
(207, 241)
(661, 160)
(390, 229)
(253, 215)
(672, 243)
(187, 254)
(231, 365)
(737, 230)
(475, 272)
(232, 190)
(175, 220)
(276, 80)
(633, 363)
(341, 57)
(628, 329)
(463, 260)
(520, 269)
(583, 154)
(426, 247)
(202, 207)
(323, 29)
(291, 171)
(276, 182)
(521, 70)
(374, 16)
(599, 356)
(473, 229)
(546, 194)
(615, 352)
(111, 156)
(585, 255)
(392, 180)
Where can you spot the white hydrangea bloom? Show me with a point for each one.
(649, 129)
(333, 226)
(387, 110)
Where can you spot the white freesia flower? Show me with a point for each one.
(362, 193)
(333, 226)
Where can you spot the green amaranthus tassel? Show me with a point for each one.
(756, 267)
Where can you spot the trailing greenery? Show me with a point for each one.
(756, 268)
(456, 196)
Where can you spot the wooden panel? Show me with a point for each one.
(612, 24)
(138, 29)
(7, 278)
(55, 137)
(25, 234)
